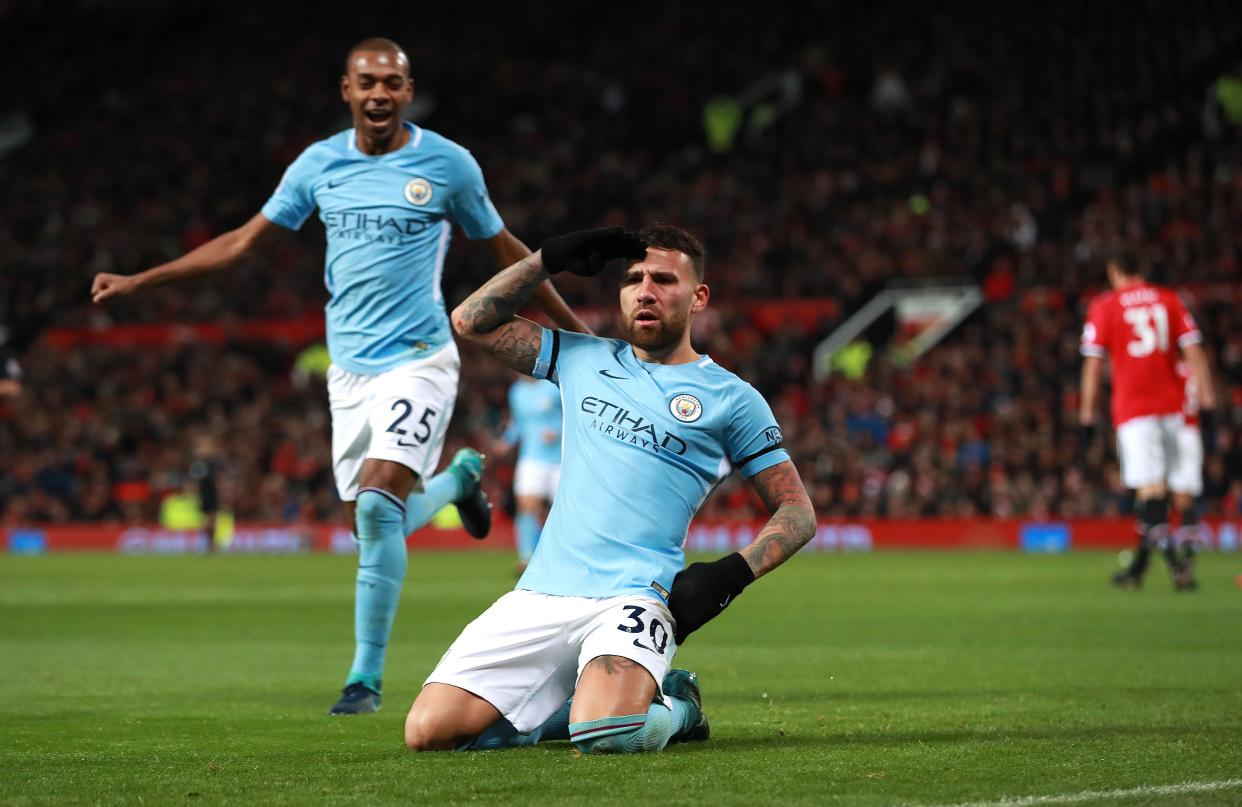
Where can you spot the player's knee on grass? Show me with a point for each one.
(427, 732)
(445, 718)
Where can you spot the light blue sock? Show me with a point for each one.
(526, 529)
(684, 714)
(381, 571)
(437, 491)
(632, 734)
(502, 734)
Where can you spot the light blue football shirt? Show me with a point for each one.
(388, 221)
(534, 417)
(643, 446)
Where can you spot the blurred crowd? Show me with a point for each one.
(820, 153)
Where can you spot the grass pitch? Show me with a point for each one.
(879, 679)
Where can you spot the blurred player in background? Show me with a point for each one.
(203, 472)
(1140, 327)
(535, 428)
(651, 426)
(388, 193)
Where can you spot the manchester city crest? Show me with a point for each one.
(686, 408)
(418, 191)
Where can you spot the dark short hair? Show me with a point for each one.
(1126, 257)
(377, 43)
(667, 236)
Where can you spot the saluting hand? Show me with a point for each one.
(586, 252)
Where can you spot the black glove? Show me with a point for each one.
(1207, 430)
(586, 252)
(1086, 436)
(702, 590)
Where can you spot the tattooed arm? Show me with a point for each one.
(792, 523)
(703, 590)
(509, 249)
(488, 318)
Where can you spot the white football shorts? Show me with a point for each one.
(401, 415)
(525, 653)
(1147, 447)
(534, 478)
(1187, 474)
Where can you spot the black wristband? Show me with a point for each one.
(735, 571)
(702, 590)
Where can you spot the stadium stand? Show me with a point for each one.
(810, 174)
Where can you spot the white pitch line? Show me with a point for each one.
(1102, 795)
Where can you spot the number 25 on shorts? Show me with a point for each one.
(422, 435)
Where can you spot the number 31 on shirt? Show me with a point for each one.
(1151, 329)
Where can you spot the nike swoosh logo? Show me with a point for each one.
(607, 374)
(332, 183)
(727, 600)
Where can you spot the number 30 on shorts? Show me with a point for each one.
(657, 631)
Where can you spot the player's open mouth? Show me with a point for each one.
(646, 317)
(378, 116)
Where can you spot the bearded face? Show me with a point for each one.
(655, 330)
(659, 294)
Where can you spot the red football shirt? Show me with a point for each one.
(1140, 329)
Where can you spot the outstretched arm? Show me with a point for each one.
(792, 523)
(509, 250)
(221, 252)
(488, 318)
